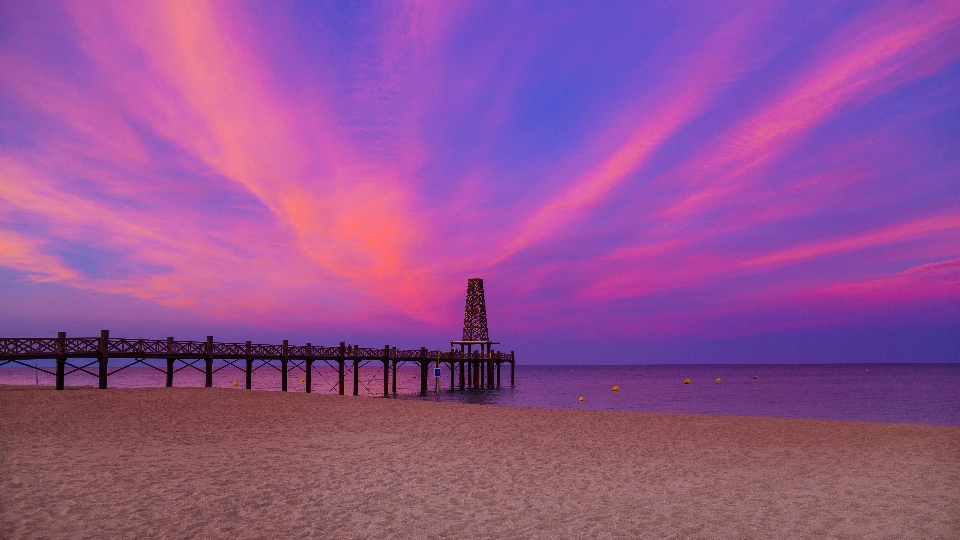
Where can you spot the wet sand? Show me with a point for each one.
(226, 463)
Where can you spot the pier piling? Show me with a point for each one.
(394, 382)
(102, 358)
(356, 376)
(386, 370)
(61, 358)
(283, 365)
(170, 361)
(308, 368)
(208, 362)
(423, 371)
(249, 365)
(340, 366)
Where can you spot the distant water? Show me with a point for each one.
(910, 393)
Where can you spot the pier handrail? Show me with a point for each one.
(100, 350)
(38, 348)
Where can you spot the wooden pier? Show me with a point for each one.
(94, 356)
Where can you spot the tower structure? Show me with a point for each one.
(475, 331)
(475, 313)
(479, 365)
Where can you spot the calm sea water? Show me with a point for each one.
(911, 393)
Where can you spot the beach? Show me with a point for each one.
(227, 463)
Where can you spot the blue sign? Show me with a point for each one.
(436, 372)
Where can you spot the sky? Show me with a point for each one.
(635, 182)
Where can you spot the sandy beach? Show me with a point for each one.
(224, 463)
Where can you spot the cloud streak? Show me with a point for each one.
(608, 171)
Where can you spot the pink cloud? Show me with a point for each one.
(948, 224)
(863, 61)
(178, 142)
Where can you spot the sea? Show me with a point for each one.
(913, 393)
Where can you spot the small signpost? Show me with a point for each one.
(436, 372)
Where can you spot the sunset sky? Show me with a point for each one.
(635, 182)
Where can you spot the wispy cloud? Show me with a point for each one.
(607, 171)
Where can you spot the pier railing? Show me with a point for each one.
(476, 369)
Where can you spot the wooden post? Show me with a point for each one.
(283, 366)
(462, 377)
(499, 367)
(476, 372)
(394, 382)
(423, 371)
(249, 366)
(61, 358)
(452, 366)
(340, 359)
(356, 372)
(512, 360)
(386, 370)
(309, 365)
(170, 361)
(102, 357)
(208, 360)
(491, 367)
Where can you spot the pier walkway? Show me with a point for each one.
(103, 356)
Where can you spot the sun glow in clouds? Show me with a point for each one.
(612, 171)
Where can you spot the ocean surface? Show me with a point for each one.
(910, 393)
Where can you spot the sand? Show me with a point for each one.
(225, 463)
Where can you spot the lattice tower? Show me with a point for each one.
(475, 314)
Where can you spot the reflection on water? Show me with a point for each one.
(913, 393)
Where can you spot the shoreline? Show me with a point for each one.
(412, 397)
(210, 462)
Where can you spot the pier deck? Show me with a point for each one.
(70, 354)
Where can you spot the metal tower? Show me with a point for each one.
(475, 314)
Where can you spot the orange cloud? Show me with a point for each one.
(898, 233)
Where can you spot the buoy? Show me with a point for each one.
(686, 381)
(718, 379)
(581, 398)
(616, 388)
(234, 383)
(414, 376)
(755, 377)
(866, 370)
(301, 380)
(360, 378)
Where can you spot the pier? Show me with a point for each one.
(104, 356)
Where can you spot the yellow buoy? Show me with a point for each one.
(301, 380)
(686, 381)
(581, 398)
(360, 378)
(616, 388)
(755, 377)
(414, 376)
(234, 383)
(866, 370)
(718, 379)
